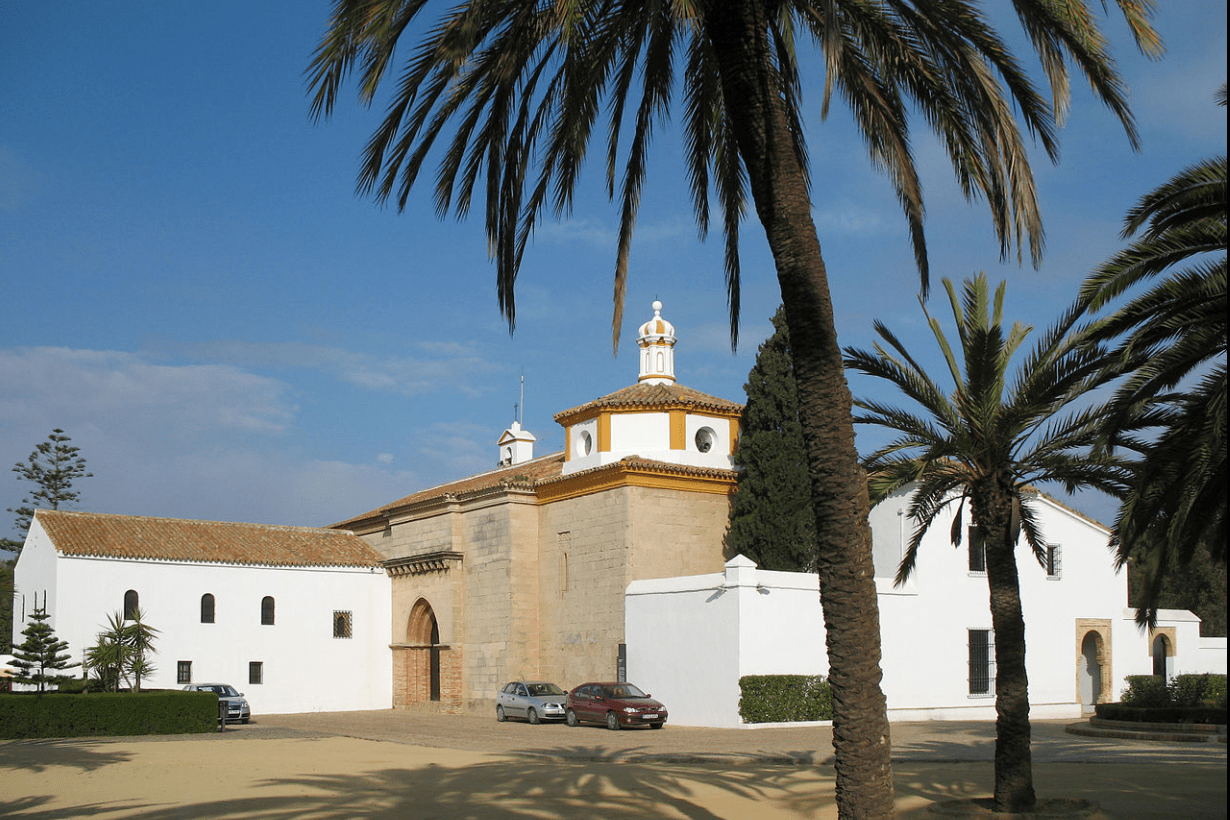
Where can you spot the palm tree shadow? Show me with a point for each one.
(76, 754)
(596, 784)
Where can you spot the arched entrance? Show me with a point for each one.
(1162, 657)
(1090, 675)
(423, 639)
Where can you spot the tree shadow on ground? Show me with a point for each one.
(38, 755)
(595, 785)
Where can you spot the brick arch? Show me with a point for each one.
(422, 629)
(427, 672)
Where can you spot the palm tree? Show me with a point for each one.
(515, 89)
(1171, 407)
(988, 441)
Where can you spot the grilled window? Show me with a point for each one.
(1053, 563)
(256, 672)
(981, 662)
(183, 672)
(341, 624)
(207, 608)
(267, 611)
(977, 550)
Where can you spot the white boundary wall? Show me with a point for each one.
(305, 668)
(690, 639)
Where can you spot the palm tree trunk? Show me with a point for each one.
(1014, 783)
(779, 188)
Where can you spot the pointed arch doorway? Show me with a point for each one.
(422, 660)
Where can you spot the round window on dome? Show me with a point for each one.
(705, 439)
(585, 444)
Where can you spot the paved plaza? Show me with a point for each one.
(391, 764)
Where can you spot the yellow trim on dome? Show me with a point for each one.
(604, 432)
(734, 434)
(679, 429)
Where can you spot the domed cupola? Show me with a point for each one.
(657, 342)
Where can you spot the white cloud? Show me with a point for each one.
(190, 441)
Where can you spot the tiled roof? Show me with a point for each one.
(655, 396)
(526, 473)
(173, 539)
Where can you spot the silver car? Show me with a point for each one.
(533, 700)
(236, 706)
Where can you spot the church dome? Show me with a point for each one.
(656, 329)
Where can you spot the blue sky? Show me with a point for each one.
(195, 294)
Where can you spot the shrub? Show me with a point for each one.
(155, 712)
(1146, 691)
(783, 698)
(1208, 715)
(1198, 690)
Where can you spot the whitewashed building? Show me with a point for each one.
(296, 618)
(690, 639)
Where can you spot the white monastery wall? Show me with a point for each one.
(293, 651)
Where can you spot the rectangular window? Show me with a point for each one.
(977, 550)
(981, 662)
(1052, 562)
(341, 624)
(183, 672)
(256, 672)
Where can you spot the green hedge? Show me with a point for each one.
(1184, 690)
(784, 698)
(1209, 715)
(158, 712)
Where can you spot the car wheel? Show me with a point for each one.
(612, 721)
(245, 720)
(531, 715)
(570, 717)
(499, 714)
(655, 726)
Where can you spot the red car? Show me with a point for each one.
(615, 704)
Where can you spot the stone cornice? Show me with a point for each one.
(439, 561)
(635, 472)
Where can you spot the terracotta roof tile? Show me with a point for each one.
(654, 395)
(173, 539)
(526, 473)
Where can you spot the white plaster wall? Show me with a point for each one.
(33, 578)
(304, 667)
(681, 635)
(1210, 657)
(677, 633)
(648, 435)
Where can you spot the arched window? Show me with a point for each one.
(131, 604)
(207, 608)
(267, 611)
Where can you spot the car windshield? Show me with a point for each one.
(623, 690)
(224, 691)
(542, 689)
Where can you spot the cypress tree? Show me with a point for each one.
(771, 520)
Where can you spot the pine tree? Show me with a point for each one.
(52, 468)
(771, 519)
(40, 655)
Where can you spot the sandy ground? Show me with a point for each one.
(271, 773)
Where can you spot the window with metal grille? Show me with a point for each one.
(183, 672)
(981, 662)
(341, 624)
(977, 550)
(1053, 563)
(256, 672)
(267, 611)
(207, 608)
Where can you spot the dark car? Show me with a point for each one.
(237, 706)
(533, 700)
(613, 704)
